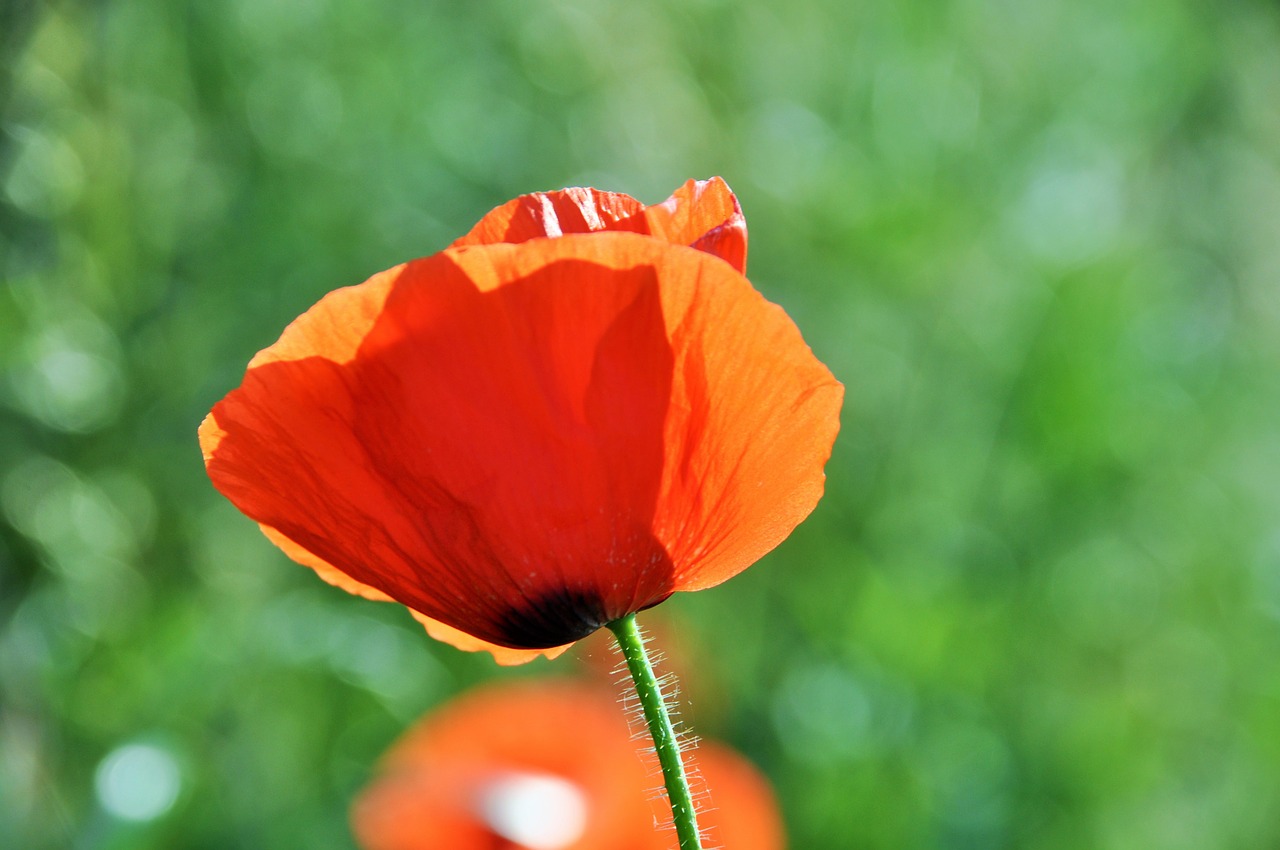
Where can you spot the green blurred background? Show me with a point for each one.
(1038, 241)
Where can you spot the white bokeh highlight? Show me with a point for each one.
(138, 782)
(537, 811)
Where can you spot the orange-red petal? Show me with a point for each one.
(441, 632)
(505, 656)
(323, 568)
(704, 214)
(549, 214)
(750, 426)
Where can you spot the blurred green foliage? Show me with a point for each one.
(1038, 241)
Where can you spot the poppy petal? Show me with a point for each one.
(439, 631)
(324, 569)
(751, 424)
(704, 214)
(459, 639)
(543, 214)
(457, 516)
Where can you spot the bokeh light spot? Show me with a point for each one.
(294, 110)
(47, 178)
(1072, 209)
(138, 782)
(69, 376)
(791, 148)
(536, 811)
(823, 714)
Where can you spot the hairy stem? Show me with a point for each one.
(664, 734)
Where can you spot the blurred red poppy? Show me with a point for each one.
(523, 440)
(548, 766)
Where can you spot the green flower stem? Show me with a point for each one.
(664, 734)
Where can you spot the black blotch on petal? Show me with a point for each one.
(555, 618)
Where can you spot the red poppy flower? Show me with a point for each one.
(548, 766)
(524, 440)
